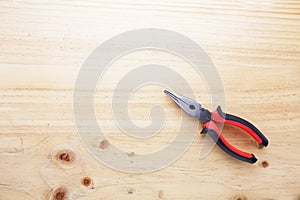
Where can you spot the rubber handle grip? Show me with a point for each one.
(220, 116)
(212, 129)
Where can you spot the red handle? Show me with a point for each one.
(220, 116)
(212, 129)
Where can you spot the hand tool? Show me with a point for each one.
(211, 120)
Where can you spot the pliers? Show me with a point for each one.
(211, 120)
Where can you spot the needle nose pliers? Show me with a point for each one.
(211, 120)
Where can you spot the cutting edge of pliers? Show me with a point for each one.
(211, 120)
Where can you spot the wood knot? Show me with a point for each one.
(131, 154)
(86, 181)
(265, 164)
(104, 144)
(160, 194)
(60, 194)
(130, 190)
(65, 156)
(240, 197)
(259, 146)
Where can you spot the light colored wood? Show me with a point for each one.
(255, 46)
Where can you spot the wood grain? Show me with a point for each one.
(255, 46)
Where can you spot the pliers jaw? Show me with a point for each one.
(190, 106)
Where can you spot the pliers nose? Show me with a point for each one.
(190, 106)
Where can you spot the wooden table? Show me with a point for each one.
(255, 46)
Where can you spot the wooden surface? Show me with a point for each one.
(255, 46)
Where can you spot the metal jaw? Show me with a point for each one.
(190, 106)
